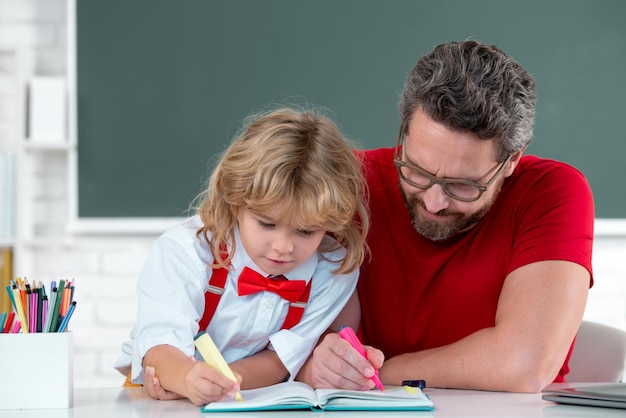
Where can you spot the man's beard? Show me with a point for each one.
(454, 223)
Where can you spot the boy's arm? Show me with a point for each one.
(172, 367)
(186, 376)
(261, 369)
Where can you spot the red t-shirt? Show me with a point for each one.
(418, 294)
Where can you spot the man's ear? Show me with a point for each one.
(515, 159)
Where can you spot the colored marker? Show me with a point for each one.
(348, 334)
(418, 383)
(57, 307)
(39, 309)
(20, 310)
(32, 314)
(213, 357)
(9, 322)
(50, 312)
(66, 318)
(44, 313)
(9, 289)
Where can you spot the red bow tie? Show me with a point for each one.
(251, 281)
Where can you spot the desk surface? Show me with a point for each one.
(132, 402)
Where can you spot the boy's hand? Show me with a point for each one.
(153, 388)
(203, 384)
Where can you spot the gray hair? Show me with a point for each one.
(471, 87)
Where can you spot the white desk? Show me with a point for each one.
(131, 402)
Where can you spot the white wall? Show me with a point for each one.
(105, 267)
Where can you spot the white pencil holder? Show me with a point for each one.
(36, 370)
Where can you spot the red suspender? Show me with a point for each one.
(296, 309)
(213, 295)
(216, 288)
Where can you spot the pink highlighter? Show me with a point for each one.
(348, 334)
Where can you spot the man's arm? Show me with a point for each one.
(539, 311)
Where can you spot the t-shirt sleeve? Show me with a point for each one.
(555, 219)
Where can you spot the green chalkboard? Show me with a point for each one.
(162, 84)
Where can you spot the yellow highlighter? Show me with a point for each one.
(213, 357)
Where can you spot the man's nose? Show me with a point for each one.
(436, 199)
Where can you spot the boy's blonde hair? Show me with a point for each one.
(296, 162)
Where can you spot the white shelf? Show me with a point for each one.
(121, 226)
(34, 243)
(33, 145)
(10, 143)
(7, 242)
(34, 157)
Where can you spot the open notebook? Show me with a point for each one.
(606, 395)
(298, 395)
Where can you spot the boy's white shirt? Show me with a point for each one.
(171, 290)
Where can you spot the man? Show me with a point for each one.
(480, 257)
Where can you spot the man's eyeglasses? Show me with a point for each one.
(460, 189)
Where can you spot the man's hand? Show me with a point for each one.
(335, 364)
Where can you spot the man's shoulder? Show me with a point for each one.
(377, 165)
(543, 183)
(377, 155)
(535, 163)
(546, 172)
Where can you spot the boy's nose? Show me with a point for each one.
(283, 245)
